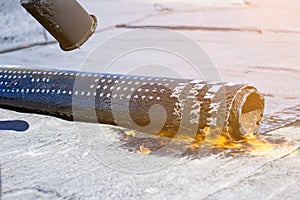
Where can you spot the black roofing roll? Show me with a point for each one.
(149, 104)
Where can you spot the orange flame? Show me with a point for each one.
(252, 144)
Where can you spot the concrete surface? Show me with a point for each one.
(17, 27)
(56, 159)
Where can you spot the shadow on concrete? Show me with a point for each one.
(14, 125)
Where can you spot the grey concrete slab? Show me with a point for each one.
(51, 56)
(110, 13)
(264, 15)
(17, 27)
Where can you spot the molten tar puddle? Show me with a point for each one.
(251, 145)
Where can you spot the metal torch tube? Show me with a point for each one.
(70, 94)
(65, 20)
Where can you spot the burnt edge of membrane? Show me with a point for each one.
(246, 113)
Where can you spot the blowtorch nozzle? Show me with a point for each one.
(67, 21)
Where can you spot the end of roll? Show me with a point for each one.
(246, 113)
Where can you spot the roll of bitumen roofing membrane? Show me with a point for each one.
(151, 104)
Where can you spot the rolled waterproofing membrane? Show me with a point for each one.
(151, 104)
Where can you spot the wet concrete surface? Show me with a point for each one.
(56, 159)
